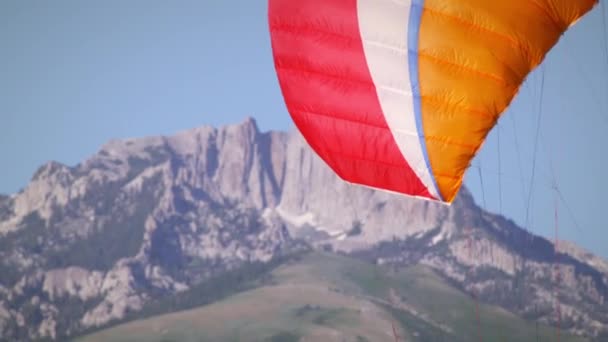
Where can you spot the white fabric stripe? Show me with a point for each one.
(384, 31)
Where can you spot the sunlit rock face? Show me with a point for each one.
(84, 246)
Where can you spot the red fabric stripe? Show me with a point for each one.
(328, 90)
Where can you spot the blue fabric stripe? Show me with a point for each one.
(412, 42)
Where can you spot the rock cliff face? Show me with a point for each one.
(86, 245)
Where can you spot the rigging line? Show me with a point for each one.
(483, 192)
(510, 178)
(590, 89)
(555, 268)
(521, 171)
(557, 271)
(471, 248)
(570, 212)
(550, 160)
(604, 29)
(556, 187)
(499, 171)
(531, 187)
(540, 112)
(470, 241)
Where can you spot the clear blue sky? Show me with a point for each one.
(74, 75)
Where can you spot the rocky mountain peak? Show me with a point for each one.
(155, 216)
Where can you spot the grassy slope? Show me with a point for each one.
(324, 297)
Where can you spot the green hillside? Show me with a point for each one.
(324, 297)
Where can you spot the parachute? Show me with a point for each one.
(400, 95)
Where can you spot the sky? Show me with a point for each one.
(75, 74)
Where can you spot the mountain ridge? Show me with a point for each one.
(154, 216)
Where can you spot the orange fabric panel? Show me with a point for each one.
(473, 57)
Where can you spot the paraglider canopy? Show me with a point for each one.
(400, 95)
